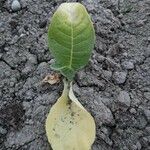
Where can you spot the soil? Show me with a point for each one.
(114, 87)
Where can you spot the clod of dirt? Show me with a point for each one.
(3, 131)
(124, 99)
(119, 77)
(127, 65)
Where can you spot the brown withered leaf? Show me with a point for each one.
(52, 79)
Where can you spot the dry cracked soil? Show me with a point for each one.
(114, 87)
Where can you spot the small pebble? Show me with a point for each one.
(147, 114)
(120, 16)
(2, 130)
(120, 77)
(43, 23)
(1, 55)
(32, 59)
(1, 24)
(144, 141)
(127, 65)
(15, 6)
(147, 129)
(107, 74)
(140, 23)
(138, 144)
(132, 111)
(125, 54)
(27, 70)
(124, 99)
(100, 58)
(147, 95)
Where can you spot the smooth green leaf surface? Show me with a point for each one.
(71, 38)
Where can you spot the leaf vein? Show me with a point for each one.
(63, 33)
(60, 44)
(71, 51)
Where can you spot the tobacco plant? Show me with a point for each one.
(71, 39)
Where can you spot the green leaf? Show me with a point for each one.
(71, 38)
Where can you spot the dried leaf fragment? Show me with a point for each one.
(69, 126)
(51, 79)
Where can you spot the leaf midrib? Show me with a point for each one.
(71, 51)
